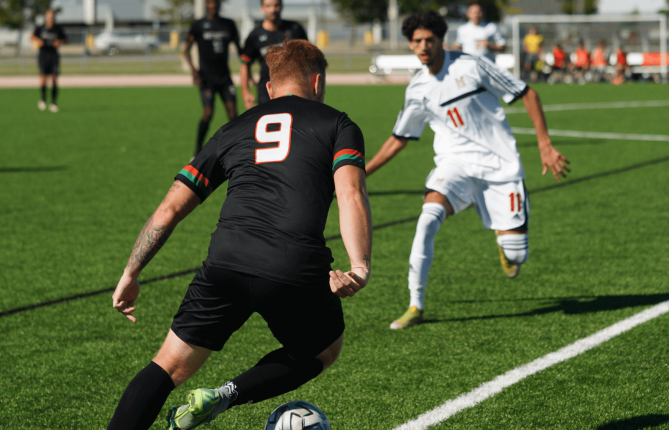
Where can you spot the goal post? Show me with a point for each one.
(576, 20)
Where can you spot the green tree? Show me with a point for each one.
(16, 14)
(179, 12)
(569, 6)
(369, 10)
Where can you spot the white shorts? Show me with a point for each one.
(501, 205)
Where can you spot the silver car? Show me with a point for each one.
(113, 43)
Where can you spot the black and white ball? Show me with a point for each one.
(297, 415)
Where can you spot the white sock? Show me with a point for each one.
(422, 251)
(515, 247)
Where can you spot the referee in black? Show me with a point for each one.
(283, 161)
(48, 37)
(213, 35)
(273, 30)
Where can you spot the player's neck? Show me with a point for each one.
(270, 25)
(211, 16)
(48, 24)
(438, 63)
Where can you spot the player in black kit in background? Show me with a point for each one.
(213, 35)
(272, 31)
(283, 161)
(48, 37)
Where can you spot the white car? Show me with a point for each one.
(113, 43)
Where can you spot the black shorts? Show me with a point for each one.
(226, 90)
(306, 320)
(49, 64)
(263, 95)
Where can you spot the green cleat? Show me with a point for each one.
(203, 406)
(412, 317)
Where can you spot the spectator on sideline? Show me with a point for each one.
(560, 58)
(532, 46)
(478, 37)
(599, 60)
(582, 62)
(621, 67)
(48, 37)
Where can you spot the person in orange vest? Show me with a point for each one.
(621, 67)
(582, 58)
(599, 60)
(560, 57)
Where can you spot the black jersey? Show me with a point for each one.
(213, 39)
(48, 36)
(260, 40)
(280, 159)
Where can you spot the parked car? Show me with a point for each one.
(113, 43)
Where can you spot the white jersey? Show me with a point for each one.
(461, 105)
(470, 36)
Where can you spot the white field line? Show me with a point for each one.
(489, 389)
(603, 105)
(596, 135)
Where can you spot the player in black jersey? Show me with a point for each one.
(213, 35)
(272, 31)
(49, 37)
(283, 161)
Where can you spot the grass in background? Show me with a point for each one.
(77, 187)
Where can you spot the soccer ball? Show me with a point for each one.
(297, 415)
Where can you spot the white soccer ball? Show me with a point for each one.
(297, 415)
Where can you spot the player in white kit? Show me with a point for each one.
(475, 152)
(478, 37)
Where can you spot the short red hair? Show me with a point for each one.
(295, 60)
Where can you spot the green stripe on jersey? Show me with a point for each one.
(194, 180)
(343, 157)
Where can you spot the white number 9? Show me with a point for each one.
(282, 136)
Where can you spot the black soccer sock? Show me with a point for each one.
(43, 89)
(142, 400)
(54, 94)
(277, 373)
(201, 132)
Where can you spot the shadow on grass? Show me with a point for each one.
(636, 423)
(574, 142)
(574, 306)
(32, 169)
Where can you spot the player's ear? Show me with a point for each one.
(318, 86)
(270, 90)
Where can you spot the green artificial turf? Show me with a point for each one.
(77, 187)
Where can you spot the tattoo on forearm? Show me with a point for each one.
(149, 242)
(367, 260)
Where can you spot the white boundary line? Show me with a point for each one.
(596, 135)
(489, 389)
(603, 105)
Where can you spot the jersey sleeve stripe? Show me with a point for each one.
(503, 80)
(198, 179)
(349, 158)
(349, 151)
(245, 59)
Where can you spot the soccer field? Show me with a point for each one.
(77, 187)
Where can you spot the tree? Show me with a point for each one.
(570, 6)
(179, 12)
(17, 13)
(369, 10)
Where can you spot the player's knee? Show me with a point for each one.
(431, 218)
(515, 246)
(331, 353)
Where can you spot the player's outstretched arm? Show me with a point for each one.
(179, 202)
(389, 149)
(550, 157)
(355, 223)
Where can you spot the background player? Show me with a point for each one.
(476, 156)
(478, 37)
(213, 35)
(284, 160)
(273, 30)
(48, 37)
